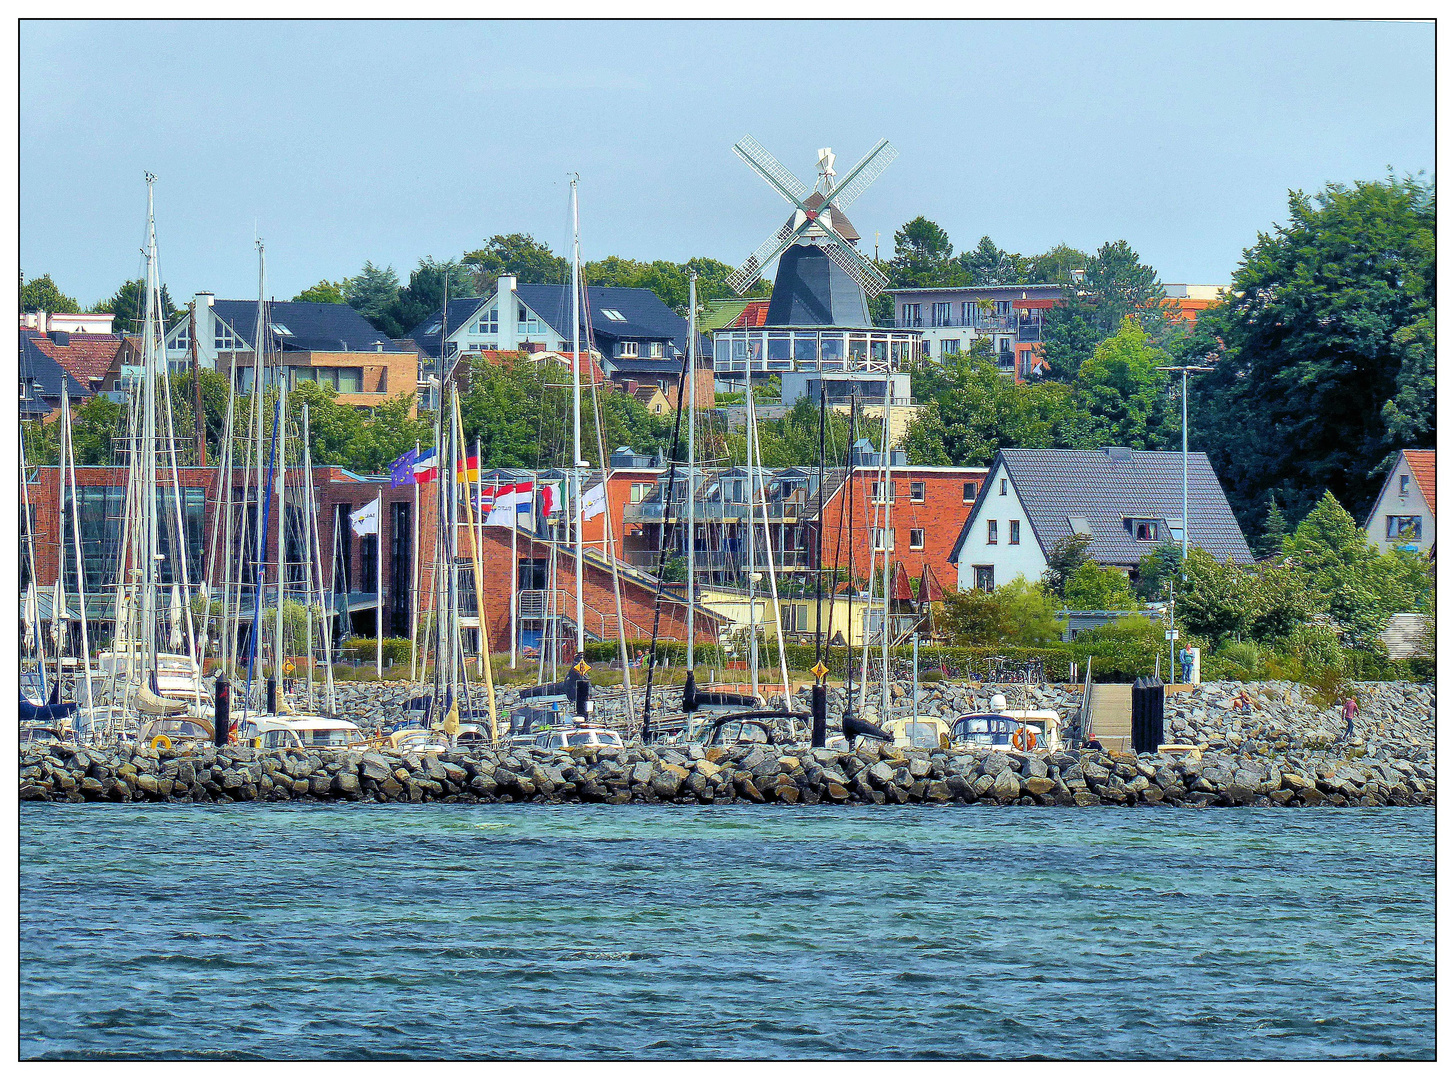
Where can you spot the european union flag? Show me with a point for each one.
(401, 469)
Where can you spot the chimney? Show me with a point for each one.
(203, 298)
(60, 337)
(506, 311)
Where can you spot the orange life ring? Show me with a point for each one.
(1023, 739)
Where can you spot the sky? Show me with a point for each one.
(338, 142)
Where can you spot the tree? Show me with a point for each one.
(372, 291)
(326, 292)
(1155, 567)
(1017, 613)
(973, 411)
(1348, 578)
(1323, 350)
(793, 439)
(1063, 561)
(41, 294)
(922, 253)
(1275, 531)
(424, 295)
(532, 262)
(128, 304)
(1214, 599)
(1099, 588)
(1055, 266)
(1120, 397)
(94, 423)
(989, 265)
(1117, 286)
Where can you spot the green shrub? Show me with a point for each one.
(396, 650)
(1242, 659)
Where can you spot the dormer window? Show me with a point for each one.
(626, 348)
(1143, 530)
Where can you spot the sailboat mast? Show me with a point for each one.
(691, 391)
(576, 419)
(68, 461)
(888, 534)
(280, 651)
(148, 548)
(752, 550)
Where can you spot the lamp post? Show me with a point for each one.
(1171, 610)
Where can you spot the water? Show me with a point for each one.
(765, 932)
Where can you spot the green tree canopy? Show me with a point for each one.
(1324, 352)
(128, 304)
(41, 294)
(532, 262)
(1017, 613)
(1054, 267)
(1120, 397)
(1062, 562)
(922, 253)
(1099, 588)
(1118, 285)
(986, 264)
(372, 291)
(326, 292)
(972, 411)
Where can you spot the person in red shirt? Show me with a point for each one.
(1351, 710)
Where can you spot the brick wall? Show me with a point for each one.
(940, 516)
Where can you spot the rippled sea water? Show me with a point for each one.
(762, 932)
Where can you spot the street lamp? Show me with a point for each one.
(1171, 611)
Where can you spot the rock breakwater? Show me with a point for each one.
(739, 774)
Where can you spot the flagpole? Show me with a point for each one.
(379, 586)
(414, 576)
(576, 419)
(514, 565)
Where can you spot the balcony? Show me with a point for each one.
(1029, 330)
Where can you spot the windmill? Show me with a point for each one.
(818, 215)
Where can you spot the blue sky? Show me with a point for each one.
(340, 142)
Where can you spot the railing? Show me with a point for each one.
(705, 510)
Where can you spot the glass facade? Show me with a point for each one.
(769, 350)
(102, 511)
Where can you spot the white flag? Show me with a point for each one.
(365, 521)
(593, 503)
(58, 615)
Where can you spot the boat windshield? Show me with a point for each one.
(738, 731)
(985, 729)
(325, 736)
(922, 734)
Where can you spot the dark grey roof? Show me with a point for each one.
(810, 289)
(1106, 486)
(37, 367)
(657, 365)
(312, 327)
(644, 316)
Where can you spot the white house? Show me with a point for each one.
(1404, 514)
(1127, 501)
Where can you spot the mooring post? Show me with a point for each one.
(820, 715)
(272, 695)
(221, 708)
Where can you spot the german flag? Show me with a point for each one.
(469, 469)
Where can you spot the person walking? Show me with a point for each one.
(1351, 710)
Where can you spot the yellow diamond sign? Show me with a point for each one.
(819, 670)
(582, 667)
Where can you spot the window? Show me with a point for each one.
(1002, 309)
(879, 540)
(639, 492)
(1144, 530)
(432, 328)
(911, 313)
(969, 494)
(876, 492)
(1015, 532)
(967, 313)
(992, 531)
(940, 314)
(985, 578)
(613, 314)
(1003, 483)
(1402, 528)
(1404, 486)
(279, 328)
(626, 348)
(181, 340)
(916, 539)
(950, 347)
(654, 348)
(916, 491)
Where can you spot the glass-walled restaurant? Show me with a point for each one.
(827, 347)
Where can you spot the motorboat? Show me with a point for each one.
(166, 732)
(586, 735)
(35, 734)
(36, 707)
(301, 732)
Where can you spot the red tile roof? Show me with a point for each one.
(755, 314)
(87, 358)
(1422, 465)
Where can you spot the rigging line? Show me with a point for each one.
(665, 537)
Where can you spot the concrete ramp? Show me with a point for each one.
(1111, 715)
